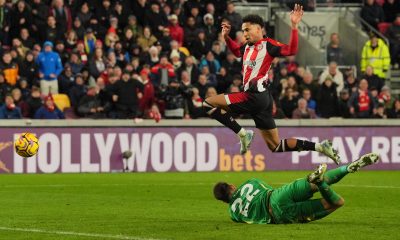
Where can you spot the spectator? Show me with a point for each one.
(190, 68)
(125, 96)
(311, 103)
(385, 97)
(233, 17)
(26, 39)
(5, 88)
(90, 105)
(97, 27)
(5, 22)
(103, 12)
(163, 73)
(52, 33)
(133, 25)
(309, 83)
(22, 18)
(155, 19)
(18, 101)
(62, 15)
(84, 14)
(335, 74)
(380, 112)
(146, 40)
(49, 110)
(277, 113)
(361, 103)
(224, 80)
(78, 28)
(343, 104)
(121, 13)
(174, 100)
(9, 110)
(211, 78)
(327, 99)
(289, 102)
(29, 69)
(334, 51)
(40, 12)
(302, 111)
(25, 89)
(209, 26)
(373, 79)
(50, 67)
(9, 68)
(98, 63)
(175, 29)
(210, 61)
(202, 85)
(390, 9)
(201, 45)
(165, 40)
(393, 34)
(65, 80)
(190, 33)
(148, 98)
(372, 13)
(111, 37)
(395, 111)
(376, 53)
(291, 64)
(175, 60)
(351, 83)
(34, 101)
(77, 91)
(195, 105)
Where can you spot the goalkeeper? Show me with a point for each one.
(256, 202)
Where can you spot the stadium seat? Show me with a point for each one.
(62, 101)
(383, 26)
(69, 113)
(380, 2)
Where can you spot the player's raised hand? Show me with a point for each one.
(226, 29)
(296, 14)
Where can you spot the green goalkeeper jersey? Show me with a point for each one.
(249, 202)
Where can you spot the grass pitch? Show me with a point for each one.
(181, 206)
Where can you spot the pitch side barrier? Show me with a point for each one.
(73, 146)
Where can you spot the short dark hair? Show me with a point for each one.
(254, 19)
(222, 191)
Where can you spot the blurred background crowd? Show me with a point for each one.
(160, 59)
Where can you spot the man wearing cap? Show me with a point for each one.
(50, 66)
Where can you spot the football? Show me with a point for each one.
(26, 145)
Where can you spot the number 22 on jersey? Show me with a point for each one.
(243, 204)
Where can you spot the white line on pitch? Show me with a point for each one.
(80, 234)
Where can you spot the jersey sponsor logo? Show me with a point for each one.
(250, 63)
(259, 47)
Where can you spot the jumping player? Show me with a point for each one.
(256, 202)
(256, 99)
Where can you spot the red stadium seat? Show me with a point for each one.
(380, 2)
(383, 26)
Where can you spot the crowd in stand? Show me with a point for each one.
(132, 59)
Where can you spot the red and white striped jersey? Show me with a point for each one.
(257, 59)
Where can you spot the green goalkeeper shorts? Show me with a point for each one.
(291, 203)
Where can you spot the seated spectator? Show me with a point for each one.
(50, 67)
(200, 45)
(309, 83)
(71, 41)
(26, 39)
(49, 110)
(395, 111)
(34, 101)
(190, 68)
(393, 34)
(372, 13)
(98, 63)
(291, 83)
(175, 59)
(65, 80)
(211, 78)
(302, 111)
(216, 49)
(210, 61)
(361, 102)
(327, 99)
(334, 52)
(9, 68)
(9, 110)
(277, 113)
(77, 91)
(202, 85)
(385, 97)
(373, 80)
(311, 103)
(289, 102)
(125, 97)
(380, 112)
(174, 99)
(290, 64)
(335, 75)
(376, 54)
(350, 83)
(133, 25)
(24, 87)
(146, 40)
(195, 105)
(75, 63)
(18, 101)
(231, 64)
(91, 106)
(5, 88)
(343, 104)
(390, 9)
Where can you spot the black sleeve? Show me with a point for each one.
(273, 50)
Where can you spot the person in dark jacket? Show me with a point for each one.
(91, 106)
(395, 111)
(9, 110)
(77, 91)
(327, 99)
(374, 81)
(21, 18)
(343, 105)
(29, 69)
(34, 101)
(49, 110)
(125, 96)
(40, 12)
(372, 13)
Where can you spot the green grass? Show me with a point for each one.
(181, 206)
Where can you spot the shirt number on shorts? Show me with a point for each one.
(243, 206)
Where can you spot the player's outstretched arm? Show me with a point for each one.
(232, 45)
(295, 17)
